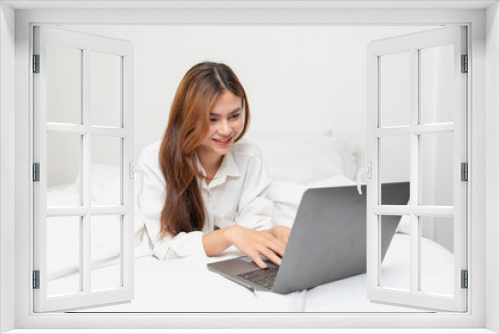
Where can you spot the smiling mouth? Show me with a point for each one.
(222, 142)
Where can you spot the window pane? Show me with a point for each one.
(63, 170)
(105, 234)
(105, 89)
(106, 171)
(436, 84)
(395, 89)
(64, 84)
(63, 255)
(395, 265)
(394, 163)
(436, 154)
(436, 255)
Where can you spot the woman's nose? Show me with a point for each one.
(225, 128)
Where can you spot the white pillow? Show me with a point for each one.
(301, 158)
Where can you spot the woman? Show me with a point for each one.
(205, 190)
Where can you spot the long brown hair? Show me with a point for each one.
(188, 125)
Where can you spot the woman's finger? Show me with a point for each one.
(276, 246)
(272, 256)
(258, 261)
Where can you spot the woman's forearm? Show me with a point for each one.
(216, 242)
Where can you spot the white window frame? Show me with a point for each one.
(412, 44)
(87, 43)
(483, 315)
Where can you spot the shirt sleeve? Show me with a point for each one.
(150, 205)
(255, 209)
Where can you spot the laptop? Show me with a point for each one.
(327, 242)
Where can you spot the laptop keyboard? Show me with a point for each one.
(262, 277)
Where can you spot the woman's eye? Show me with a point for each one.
(213, 120)
(235, 116)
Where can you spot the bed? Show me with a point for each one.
(296, 162)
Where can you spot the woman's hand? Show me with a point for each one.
(282, 233)
(254, 243)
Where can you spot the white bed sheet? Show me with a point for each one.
(182, 285)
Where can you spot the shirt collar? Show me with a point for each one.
(227, 168)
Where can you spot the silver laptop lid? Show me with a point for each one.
(328, 240)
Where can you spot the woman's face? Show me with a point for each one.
(226, 123)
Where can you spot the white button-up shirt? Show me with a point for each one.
(236, 195)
